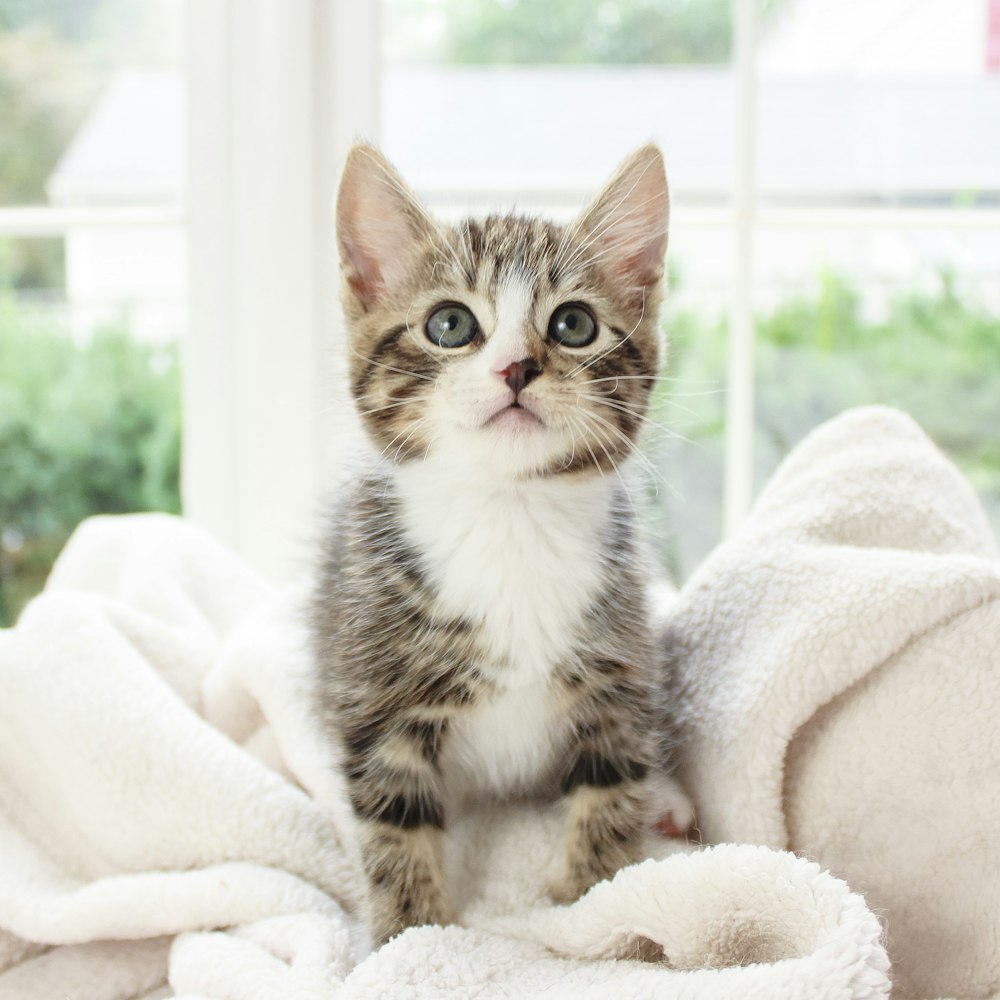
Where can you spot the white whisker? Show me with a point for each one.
(390, 368)
(593, 361)
(641, 457)
(391, 406)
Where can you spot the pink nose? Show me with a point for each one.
(519, 373)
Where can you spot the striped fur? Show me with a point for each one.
(480, 623)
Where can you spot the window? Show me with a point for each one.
(92, 298)
(836, 189)
(835, 171)
(877, 242)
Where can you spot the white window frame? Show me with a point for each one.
(276, 93)
(739, 444)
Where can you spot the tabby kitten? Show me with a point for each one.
(480, 624)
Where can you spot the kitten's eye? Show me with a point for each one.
(451, 326)
(573, 325)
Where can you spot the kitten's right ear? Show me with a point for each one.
(380, 226)
(626, 225)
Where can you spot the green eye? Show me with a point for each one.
(451, 326)
(573, 325)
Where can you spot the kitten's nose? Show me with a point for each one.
(519, 373)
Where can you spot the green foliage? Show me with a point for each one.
(588, 31)
(563, 32)
(933, 353)
(85, 428)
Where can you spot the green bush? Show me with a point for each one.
(934, 353)
(85, 427)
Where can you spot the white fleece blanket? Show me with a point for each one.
(169, 825)
(840, 663)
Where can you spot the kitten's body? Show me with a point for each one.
(534, 577)
(481, 623)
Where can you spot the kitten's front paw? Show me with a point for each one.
(671, 806)
(393, 916)
(569, 888)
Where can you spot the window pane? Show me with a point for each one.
(92, 106)
(89, 100)
(89, 418)
(884, 113)
(873, 101)
(541, 101)
(489, 104)
(905, 318)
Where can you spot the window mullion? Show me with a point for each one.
(270, 105)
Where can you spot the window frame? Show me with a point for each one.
(276, 94)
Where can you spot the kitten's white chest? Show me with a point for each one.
(524, 564)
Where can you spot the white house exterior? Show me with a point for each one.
(129, 152)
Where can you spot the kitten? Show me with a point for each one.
(480, 624)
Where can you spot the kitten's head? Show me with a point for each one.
(512, 341)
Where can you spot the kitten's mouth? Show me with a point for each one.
(514, 415)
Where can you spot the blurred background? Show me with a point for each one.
(168, 292)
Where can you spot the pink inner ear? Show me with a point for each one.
(635, 263)
(377, 236)
(363, 274)
(645, 266)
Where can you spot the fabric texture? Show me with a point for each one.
(170, 824)
(841, 684)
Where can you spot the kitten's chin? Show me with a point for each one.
(514, 419)
(514, 442)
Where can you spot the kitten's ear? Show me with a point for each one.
(625, 226)
(380, 226)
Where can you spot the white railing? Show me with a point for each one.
(45, 220)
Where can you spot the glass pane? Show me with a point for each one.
(880, 101)
(92, 106)
(541, 101)
(90, 101)
(901, 317)
(489, 104)
(885, 113)
(89, 414)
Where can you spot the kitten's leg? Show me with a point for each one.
(394, 787)
(607, 813)
(405, 878)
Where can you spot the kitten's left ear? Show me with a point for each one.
(381, 226)
(626, 224)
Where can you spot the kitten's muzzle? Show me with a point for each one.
(519, 373)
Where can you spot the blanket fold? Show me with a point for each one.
(840, 677)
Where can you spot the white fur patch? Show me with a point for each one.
(504, 745)
(522, 560)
